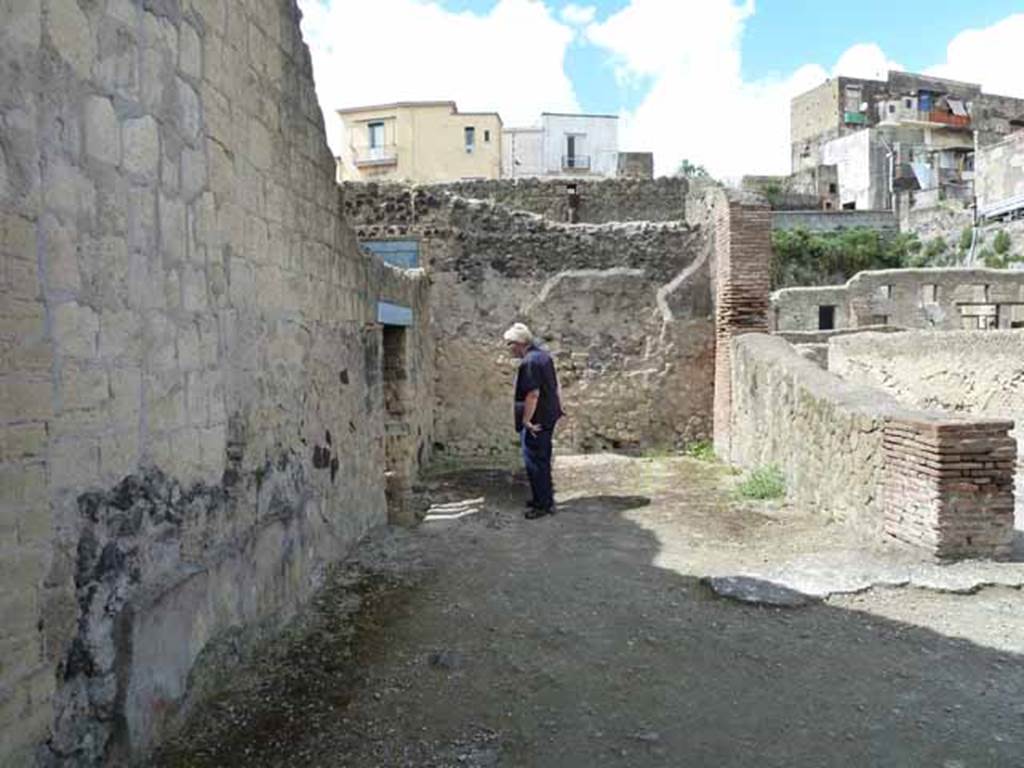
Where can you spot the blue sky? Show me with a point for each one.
(708, 80)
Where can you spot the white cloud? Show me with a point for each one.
(865, 60)
(993, 56)
(699, 107)
(578, 15)
(510, 60)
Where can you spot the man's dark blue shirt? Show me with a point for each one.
(537, 371)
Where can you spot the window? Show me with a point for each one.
(832, 189)
(879, 320)
(487, 137)
(885, 291)
(826, 318)
(930, 293)
(892, 109)
(908, 103)
(470, 139)
(375, 133)
(852, 206)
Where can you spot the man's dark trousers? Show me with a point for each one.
(537, 458)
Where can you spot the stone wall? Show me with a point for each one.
(1000, 174)
(625, 309)
(191, 416)
(598, 201)
(939, 299)
(834, 221)
(979, 373)
(853, 452)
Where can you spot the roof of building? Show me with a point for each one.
(412, 105)
(578, 114)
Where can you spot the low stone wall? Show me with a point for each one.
(834, 221)
(624, 308)
(598, 201)
(854, 452)
(975, 373)
(907, 298)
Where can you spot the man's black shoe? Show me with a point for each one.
(531, 504)
(534, 512)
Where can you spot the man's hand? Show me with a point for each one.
(534, 428)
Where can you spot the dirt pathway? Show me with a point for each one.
(590, 639)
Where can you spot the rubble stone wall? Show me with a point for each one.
(977, 373)
(599, 201)
(190, 391)
(624, 308)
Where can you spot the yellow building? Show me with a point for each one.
(421, 141)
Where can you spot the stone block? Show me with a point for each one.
(74, 464)
(23, 485)
(173, 230)
(125, 404)
(67, 190)
(22, 441)
(102, 134)
(18, 278)
(193, 173)
(190, 52)
(165, 401)
(76, 330)
(17, 236)
(142, 148)
(190, 117)
(124, 11)
(155, 75)
(22, 25)
(83, 386)
(193, 288)
(61, 257)
(25, 399)
(19, 653)
(120, 335)
(36, 529)
(71, 35)
(119, 455)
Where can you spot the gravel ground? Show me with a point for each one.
(595, 638)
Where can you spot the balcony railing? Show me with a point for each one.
(385, 154)
(576, 162)
(948, 118)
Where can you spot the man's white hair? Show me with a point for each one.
(518, 334)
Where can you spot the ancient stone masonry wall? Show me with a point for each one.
(625, 308)
(600, 201)
(936, 299)
(851, 451)
(976, 373)
(190, 391)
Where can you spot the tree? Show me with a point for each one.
(691, 171)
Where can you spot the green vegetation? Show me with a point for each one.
(800, 257)
(702, 450)
(763, 484)
(692, 171)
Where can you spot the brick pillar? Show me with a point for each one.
(948, 486)
(742, 275)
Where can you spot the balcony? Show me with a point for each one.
(948, 118)
(384, 154)
(575, 162)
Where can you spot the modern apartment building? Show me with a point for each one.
(910, 136)
(422, 141)
(562, 145)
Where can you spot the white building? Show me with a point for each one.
(563, 145)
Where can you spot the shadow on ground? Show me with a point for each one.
(559, 642)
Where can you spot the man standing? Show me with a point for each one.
(537, 410)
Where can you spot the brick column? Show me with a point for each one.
(949, 486)
(742, 274)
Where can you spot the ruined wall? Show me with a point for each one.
(979, 373)
(824, 434)
(1000, 172)
(191, 420)
(850, 451)
(625, 308)
(908, 298)
(600, 201)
